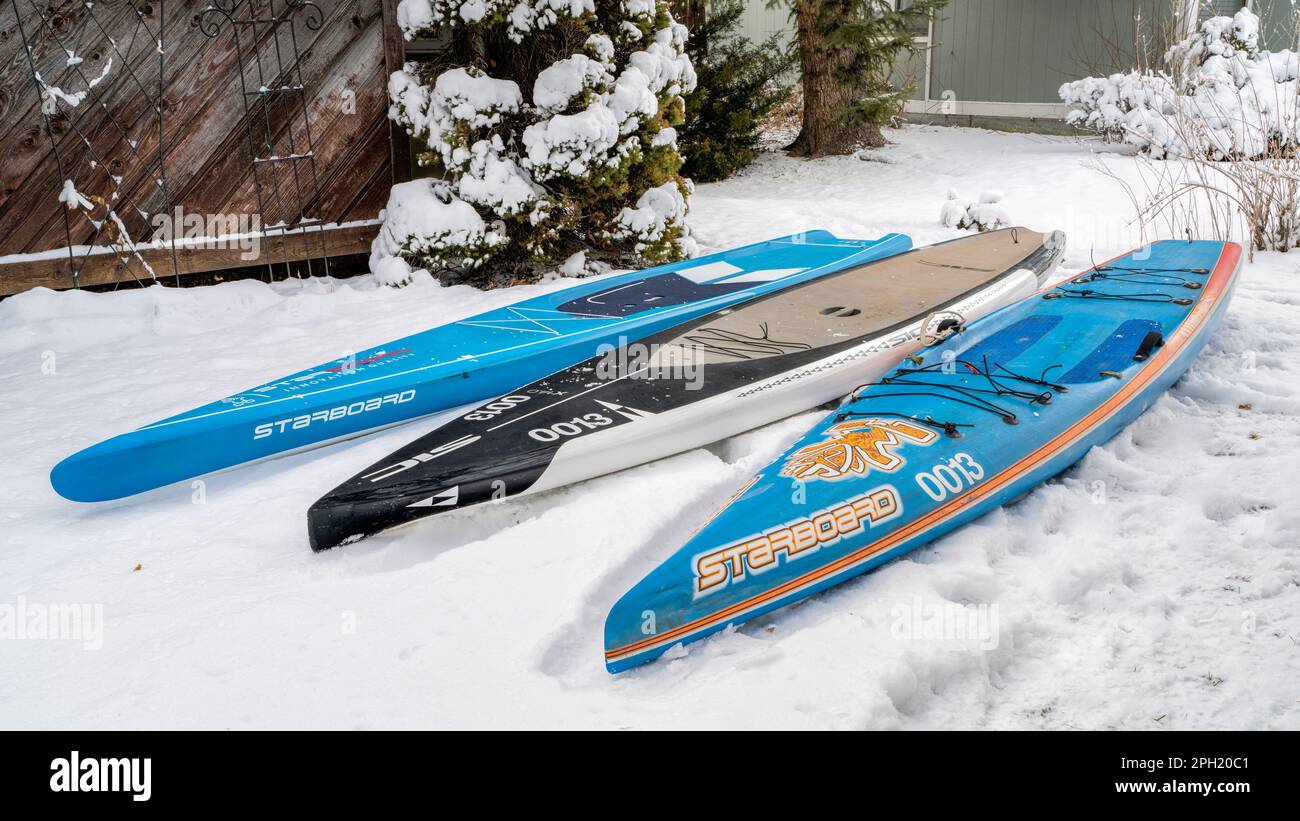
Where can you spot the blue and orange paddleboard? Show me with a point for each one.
(972, 423)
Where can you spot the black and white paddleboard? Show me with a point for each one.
(695, 383)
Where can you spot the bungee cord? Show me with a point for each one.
(998, 376)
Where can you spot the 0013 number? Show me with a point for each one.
(957, 474)
(575, 426)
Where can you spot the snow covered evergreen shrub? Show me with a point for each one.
(740, 83)
(1230, 112)
(1221, 98)
(986, 214)
(549, 126)
(427, 226)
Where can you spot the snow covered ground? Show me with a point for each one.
(1157, 584)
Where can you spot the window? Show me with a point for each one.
(1222, 8)
(920, 30)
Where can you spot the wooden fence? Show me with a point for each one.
(112, 149)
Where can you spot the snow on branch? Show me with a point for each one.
(559, 146)
(1221, 98)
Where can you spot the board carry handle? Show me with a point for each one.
(940, 325)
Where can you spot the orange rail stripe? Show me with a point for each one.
(1194, 320)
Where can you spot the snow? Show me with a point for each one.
(657, 210)
(1223, 97)
(575, 265)
(602, 47)
(423, 217)
(460, 99)
(664, 61)
(630, 31)
(73, 199)
(577, 144)
(523, 16)
(476, 99)
(560, 82)
(639, 8)
(985, 214)
(667, 137)
(1154, 585)
(631, 99)
(414, 16)
(572, 144)
(50, 93)
(495, 181)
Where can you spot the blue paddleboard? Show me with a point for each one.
(449, 366)
(973, 423)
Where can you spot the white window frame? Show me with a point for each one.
(1194, 8)
(926, 40)
(920, 38)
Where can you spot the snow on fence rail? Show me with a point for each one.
(139, 110)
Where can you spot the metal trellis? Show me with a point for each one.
(98, 171)
(286, 193)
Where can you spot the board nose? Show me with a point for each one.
(352, 511)
(330, 523)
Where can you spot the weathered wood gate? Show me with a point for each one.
(269, 114)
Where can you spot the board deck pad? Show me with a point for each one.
(448, 366)
(975, 422)
(587, 419)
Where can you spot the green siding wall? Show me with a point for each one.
(1277, 20)
(1020, 51)
(760, 22)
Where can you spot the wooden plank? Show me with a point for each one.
(29, 174)
(40, 223)
(358, 184)
(213, 143)
(208, 156)
(357, 67)
(399, 142)
(224, 183)
(102, 269)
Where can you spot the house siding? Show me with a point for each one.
(1021, 51)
